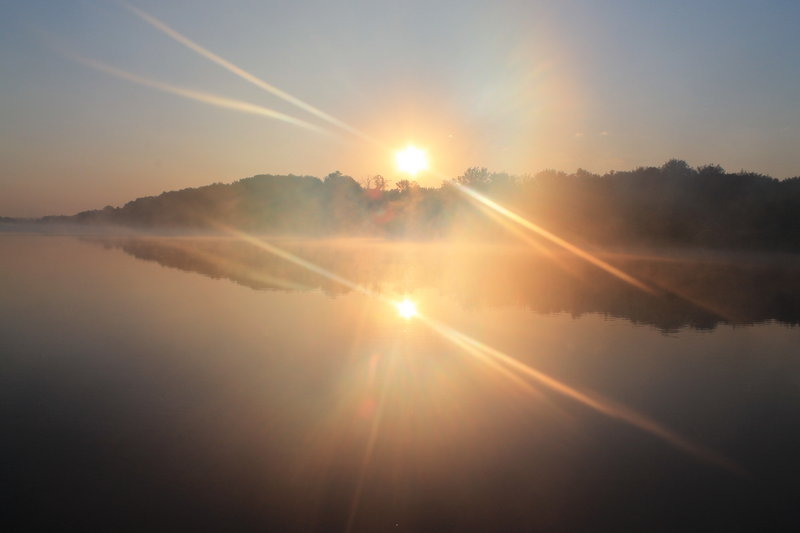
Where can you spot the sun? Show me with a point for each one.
(411, 160)
(406, 308)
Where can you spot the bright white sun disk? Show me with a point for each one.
(411, 160)
(406, 309)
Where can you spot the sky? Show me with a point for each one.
(98, 106)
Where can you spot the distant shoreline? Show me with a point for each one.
(670, 206)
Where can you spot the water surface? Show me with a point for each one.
(174, 383)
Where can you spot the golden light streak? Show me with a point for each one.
(299, 261)
(490, 355)
(207, 98)
(221, 261)
(679, 292)
(258, 82)
(512, 370)
(596, 402)
(484, 352)
(507, 225)
(494, 358)
(518, 233)
(308, 265)
(478, 354)
(614, 271)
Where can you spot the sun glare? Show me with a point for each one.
(406, 309)
(411, 160)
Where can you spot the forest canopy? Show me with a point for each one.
(674, 204)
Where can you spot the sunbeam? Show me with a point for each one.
(191, 94)
(555, 239)
(487, 353)
(593, 401)
(219, 261)
(496, 213)
(299, 261)
(258, 82)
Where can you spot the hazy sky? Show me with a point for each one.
(514, 86)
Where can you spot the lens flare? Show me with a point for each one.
(199, 96)
(553, 238)
(509, 365)
(245, 75)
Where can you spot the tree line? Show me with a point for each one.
(674, 204)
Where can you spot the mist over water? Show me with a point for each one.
(690, 288)
(236, 390)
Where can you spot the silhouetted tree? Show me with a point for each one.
(673, 204)
(405, 186)
(474, 177)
